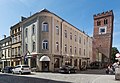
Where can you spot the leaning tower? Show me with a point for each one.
(102, 36)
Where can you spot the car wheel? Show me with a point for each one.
(12, 72)
(20, 73)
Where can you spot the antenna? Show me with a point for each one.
(30, 13)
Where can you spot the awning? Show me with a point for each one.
(44, 58)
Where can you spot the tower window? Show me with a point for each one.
(102, 30)
(98, 23)
(105, 21)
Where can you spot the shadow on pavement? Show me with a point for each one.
(93, 71)
(21, 79)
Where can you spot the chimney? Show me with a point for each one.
(23, 18)
(4, 36)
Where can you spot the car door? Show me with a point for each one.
(14, 70)
(18, 69)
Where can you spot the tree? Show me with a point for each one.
(113, 53)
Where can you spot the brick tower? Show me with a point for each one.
(102, 36)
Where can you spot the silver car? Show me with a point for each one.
(20, 69)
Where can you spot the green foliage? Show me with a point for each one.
(113, 53)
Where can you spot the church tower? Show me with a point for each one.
(103, 36)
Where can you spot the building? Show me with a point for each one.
(5, 51)
(102, 36)
(48, 42)
(16, 53)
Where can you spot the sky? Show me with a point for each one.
(77, 12)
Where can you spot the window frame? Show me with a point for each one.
(26, 32)
(33, 46)
(57, 46)
(65, 32)
(45, 27)
(33, 29)
(45, 42)
(57, 30)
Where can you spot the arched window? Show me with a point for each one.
(98, 23)
(57, 30)
(75, 38)
(65, 47)
(45, 27)
(26, 32)
(105, 21)
(33, 46)
(33, 29)
(57, 46)
(26, 47)
(66, 33)
(45, 44)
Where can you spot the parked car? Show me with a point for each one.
(67, 69)
(20, 69)
(7, 69)
(96, 65)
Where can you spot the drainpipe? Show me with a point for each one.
(61, 42)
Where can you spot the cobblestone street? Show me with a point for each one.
(94, 76)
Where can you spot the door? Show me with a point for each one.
(79, 63)
(45, 65)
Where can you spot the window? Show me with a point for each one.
(12, 51)
(8, 52)
(33, 46)
(45, 27)
(75, 38)
(57, 30)
(15, 30)
(56, 63)
(26, 47)
(75, 62)
(71, 36)
(84, 52)
(84, 41)
(45, 44)
(80, 40)
(19, 38)
(33, 29)
(57, 46)
(16, 51)
(105, 21)
(98, 23)
(12, 39)
(79, 51)
(102, 30)
(70, 49)
(75, 50)
(19, 50)
(12, 31)
(66, 33)
(19, 29)
(26, 32)
(65, 47)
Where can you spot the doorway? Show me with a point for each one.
(45, 65)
